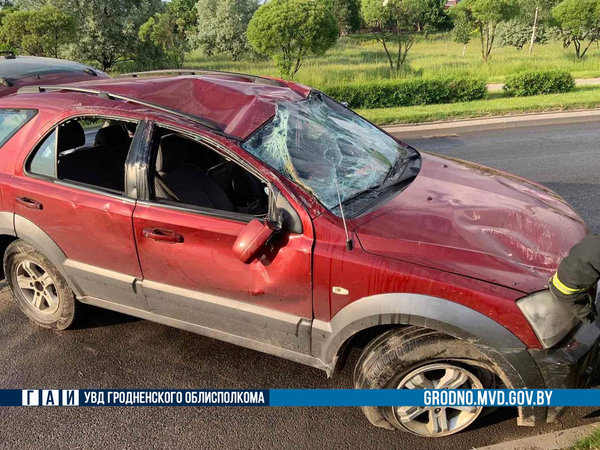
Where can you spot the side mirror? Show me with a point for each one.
(254, 237)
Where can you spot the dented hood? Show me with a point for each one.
(474, 221)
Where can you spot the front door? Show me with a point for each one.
(200, 203)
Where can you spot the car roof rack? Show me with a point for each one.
(8, 54)
(111, 96)
(252, 78)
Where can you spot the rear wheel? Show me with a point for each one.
(38, 287)
(418, 358)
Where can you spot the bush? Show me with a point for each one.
(411, 92)
(536, 83)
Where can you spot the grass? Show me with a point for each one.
(589, 443)
(361, 58)
(582, 97)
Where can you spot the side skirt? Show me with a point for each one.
(212, 333)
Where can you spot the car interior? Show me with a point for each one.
(188, 172)
(93, 151)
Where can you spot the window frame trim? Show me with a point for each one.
(72, 183)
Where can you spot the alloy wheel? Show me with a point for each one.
(438, 421)
(37, 286)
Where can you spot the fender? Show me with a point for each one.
(504, 350)
(7, 223)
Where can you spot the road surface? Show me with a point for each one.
(109, 350)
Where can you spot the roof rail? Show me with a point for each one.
(252, 78)
(111, 96)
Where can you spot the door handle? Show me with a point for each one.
(162, 235)
(29, 203)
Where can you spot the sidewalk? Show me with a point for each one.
(448, 128)
(497, 87)
(563, 439)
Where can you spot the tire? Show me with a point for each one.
(37, 286)
(419, 358)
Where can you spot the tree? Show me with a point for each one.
(206, 38)
(394, 20)
(464, 26)
(347, 14)
(578, 21)
(169, 30)
(223, 25)
(290, 30)
(108, 30)
(232, 19)
(518, 32)
(533, 17)
(487, 14)
(434, 17)
(43, 32)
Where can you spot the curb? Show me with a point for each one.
(550, 441)
(446, 128)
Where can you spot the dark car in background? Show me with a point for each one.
(18, 71)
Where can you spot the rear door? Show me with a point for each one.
(190, 270)
(67, 189)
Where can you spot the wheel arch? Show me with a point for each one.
(502, 348)
(7, 235)
(28, 231)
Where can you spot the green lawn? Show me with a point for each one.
(360, 57)
(590, 443)
(583, 97)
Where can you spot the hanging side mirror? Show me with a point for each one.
(253, 239)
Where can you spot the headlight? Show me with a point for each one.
(550, 319)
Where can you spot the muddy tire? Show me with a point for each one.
(37, 286)
(419, 358)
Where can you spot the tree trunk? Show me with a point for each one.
(464, 50)
(534, 31)
(482, 42)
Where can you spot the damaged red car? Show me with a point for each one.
(265, 214)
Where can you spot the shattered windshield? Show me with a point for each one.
(324, 147)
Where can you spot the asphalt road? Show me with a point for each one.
(109, 350)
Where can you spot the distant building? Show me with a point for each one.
(451, 3)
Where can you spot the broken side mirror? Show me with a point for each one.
(254, 238)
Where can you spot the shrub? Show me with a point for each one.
(417, 91)
(536, 83)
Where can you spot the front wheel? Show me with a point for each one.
(38, 287)
(418, 358)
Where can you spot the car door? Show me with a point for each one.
(192, 274)
(80, 212)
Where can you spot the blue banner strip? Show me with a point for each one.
(300, 397)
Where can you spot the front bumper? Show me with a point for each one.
(574, 365)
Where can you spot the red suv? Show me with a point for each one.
(263, 213)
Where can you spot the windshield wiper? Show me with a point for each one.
(360, 194)
(395, 175)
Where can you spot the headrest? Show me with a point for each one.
(70, 135)
(173, 151)
(114, 135)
